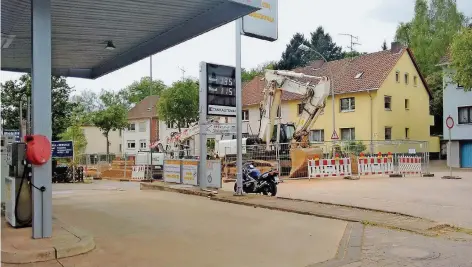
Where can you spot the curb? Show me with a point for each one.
(85, 245)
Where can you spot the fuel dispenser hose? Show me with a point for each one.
(26, 170)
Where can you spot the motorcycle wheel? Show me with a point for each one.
(270, 189)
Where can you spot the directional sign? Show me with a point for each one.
(334, 136)
(62, 149)
(221, 128)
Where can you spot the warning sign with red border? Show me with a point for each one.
(334, 136)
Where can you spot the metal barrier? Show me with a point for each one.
(409, 165)
(329, 167)
(375, 165)
(138, 173)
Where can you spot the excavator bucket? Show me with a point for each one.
(300, 157)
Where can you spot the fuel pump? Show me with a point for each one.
(36, 150)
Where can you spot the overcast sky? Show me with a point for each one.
(373, 21)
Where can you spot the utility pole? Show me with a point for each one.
(183, 73)
(354, 40)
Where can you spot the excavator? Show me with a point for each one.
(314, 90)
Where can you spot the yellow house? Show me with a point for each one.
(378, 96)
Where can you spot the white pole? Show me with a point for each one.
(239, 135)
(449, 156)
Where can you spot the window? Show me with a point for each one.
(316, 136)
(388, 133)
(407, 133)
(397, 76)
(245, 115)
(142, 143)
(359, 75)
(170, 125)
(407, 104)
(388, 102)
(465, 115)
(348, 134)
(132, 127)
(131, 144)
(407, 78)
(300, 109)
(348, 104)
(415, 80)
(142, 126)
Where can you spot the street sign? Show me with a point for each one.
(220, 90)
(334, 136)
(12, 132)
(262, 24)
(221, 128)
(450, 122)
(62, 149)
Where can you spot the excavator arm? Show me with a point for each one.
(313, 89)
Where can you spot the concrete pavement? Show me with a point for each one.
(135, 228)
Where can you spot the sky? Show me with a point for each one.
(373, 21)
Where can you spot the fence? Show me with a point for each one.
(107, 166)
(294, 164)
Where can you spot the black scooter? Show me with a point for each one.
(265, 184)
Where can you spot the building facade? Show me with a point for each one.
(457, 103)
(97, 142)
(143, 127)
(378, 96)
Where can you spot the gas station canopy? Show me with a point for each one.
(91, 38)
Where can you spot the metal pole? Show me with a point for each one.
(28, 115)
(41, 104)
(239, 122)
(449, 155)
(22, 133)
(150, 109)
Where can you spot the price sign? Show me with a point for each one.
(220, 90)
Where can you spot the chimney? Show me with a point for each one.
(395, 47)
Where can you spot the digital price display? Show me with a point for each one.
(221, 90)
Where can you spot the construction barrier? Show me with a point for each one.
(375, 165)
(409, 165)
(138, 172)
(329, 167)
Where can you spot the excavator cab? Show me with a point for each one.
(286, 133)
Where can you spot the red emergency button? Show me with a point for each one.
(38, 149)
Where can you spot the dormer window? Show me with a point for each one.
(359, 75)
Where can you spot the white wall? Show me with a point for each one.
(136, 136)
(452, 99)
(252, 126)
(96, 141)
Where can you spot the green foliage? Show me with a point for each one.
(461, 56)
(319, 41)
(179, 103)
(14, 91)
(138, 90)
(76, 134)
(354, 147)
(248, 75)
(111, 118)
(403, 33)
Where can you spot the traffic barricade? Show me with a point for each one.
(138, 173)
(329, 167)
(409, 165)
(375, 165)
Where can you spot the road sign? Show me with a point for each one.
(221, 128)
(12, 132)
(220, 90)
(334, 136)
(62, 149)
(450, 122)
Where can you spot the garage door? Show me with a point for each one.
(466, 154)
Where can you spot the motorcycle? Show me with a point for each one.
(265, 183)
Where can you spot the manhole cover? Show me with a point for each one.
(414, 253)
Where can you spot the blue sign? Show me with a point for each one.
(62, 149)
(12, 132)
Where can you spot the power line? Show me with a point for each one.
(354, 40)
(183, 73)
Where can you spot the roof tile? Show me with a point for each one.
(141, 110)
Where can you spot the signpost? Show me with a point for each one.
(334, 136)
(62, 149)
(450, 125)
(221, 128)
(218, 93)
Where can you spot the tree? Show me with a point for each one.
(138, 90)
(109, 119)
(247, 76)
(15, 91)
(179, 103)
(403, 33)
(88, 100)
(384, 46)
(293, 57)
(461, 57)
(75, 133)
(323, 44)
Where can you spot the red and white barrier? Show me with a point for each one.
(329, 167)
(375, 165)
(409, 165)
(138, 172)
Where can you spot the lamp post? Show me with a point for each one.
(306, 48)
